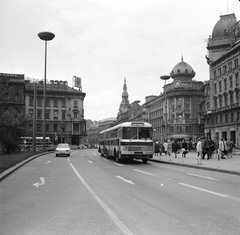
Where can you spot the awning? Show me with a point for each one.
(183, 136)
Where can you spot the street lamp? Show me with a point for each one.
(45, 36)
(165, 78)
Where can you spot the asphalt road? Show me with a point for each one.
(88, 194)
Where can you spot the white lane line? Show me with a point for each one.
(204, 190)
(90, 161)
(144, 172)
(205, 177)
(127, 181)
(105, 159)
(117, 164)
(112, 215)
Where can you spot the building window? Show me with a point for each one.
(39, 114)
(75, 127)
(47, 102)
(179, 129)
(75, 104)
(55, 103)
(237, 97)
(64, 115)
(55, 127)
(236, 63)
(224, 68)
(188, 129)
(230, 81)
(220, 86)
(231, 98)
(214, 74)
(39, 102)
(220, 101)
(230, 66)
(232, 117)
(215, 88)
(63, 103)
(219, 71)
(47, 114)
(225, 100)
(55, 114)
(31, 101)
(225, 84)
(39, 127)
(187, 116)
(216, 119)
(31, 113)
(171, 129)
(47, 127)
(75, 115)
(215, 103)
(220, 118)
(226, 117)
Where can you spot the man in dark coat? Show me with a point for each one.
(175, 147)
(185, 148)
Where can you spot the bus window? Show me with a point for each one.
(129, 133)
(145, 133)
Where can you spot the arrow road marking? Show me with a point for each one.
(127, 181)
(144, 172)
(42, 179)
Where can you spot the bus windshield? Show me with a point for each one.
(136, 133)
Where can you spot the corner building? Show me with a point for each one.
(184, 97)
(222, 118)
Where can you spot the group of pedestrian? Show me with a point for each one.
(212, 148)
(205, 147)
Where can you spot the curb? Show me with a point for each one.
(197, 167)
(18, 165)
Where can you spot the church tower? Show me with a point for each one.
(124, 106)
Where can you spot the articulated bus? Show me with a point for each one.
(129, 140)
(27, 143)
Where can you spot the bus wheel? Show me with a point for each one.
(144, 160)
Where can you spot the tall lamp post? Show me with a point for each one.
(45, 36)
(165, 78)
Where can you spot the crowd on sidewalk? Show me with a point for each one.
(205, 148)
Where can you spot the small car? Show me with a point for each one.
(63, 149)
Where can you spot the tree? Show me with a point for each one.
(13, 125)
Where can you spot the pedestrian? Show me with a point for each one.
(229, 145)
(156, 149)
(222, 149)
(199, 151)
(169, 149)
(185, 148)
(175, 148)
(165, 147)
(206, 148)
(211, 147)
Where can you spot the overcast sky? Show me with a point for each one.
(103, 41)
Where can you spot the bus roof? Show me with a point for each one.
(127, 124)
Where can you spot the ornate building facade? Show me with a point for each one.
(222, 117)
(183, 100)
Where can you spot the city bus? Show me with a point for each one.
(27, 143)
(128, 140)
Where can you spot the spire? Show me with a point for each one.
(124, 106)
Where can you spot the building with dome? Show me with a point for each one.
(222, 116)
(184, 97)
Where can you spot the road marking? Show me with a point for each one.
(204, 190)
(68, 159)
(205, 177)
(117, 164)
(105, 159)
(112, 215)
(42, 179)
(97, 156)
(48, 162)
(127, 181)
(90, 161)
(144, 172)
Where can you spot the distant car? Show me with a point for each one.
(63, 149)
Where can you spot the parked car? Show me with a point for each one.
(63, 149)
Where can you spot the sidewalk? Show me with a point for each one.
(228, 165)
